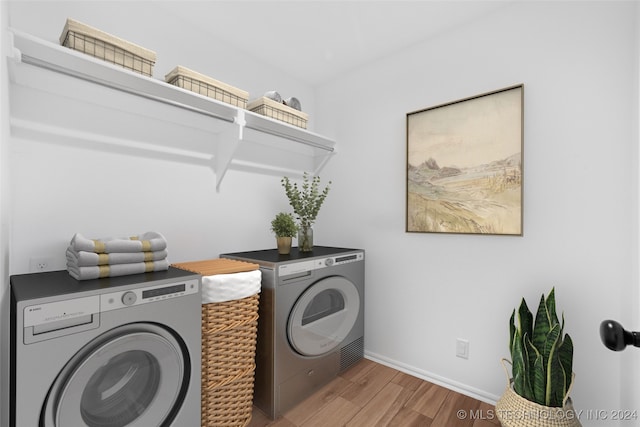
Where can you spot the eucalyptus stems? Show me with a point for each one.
(306, 201)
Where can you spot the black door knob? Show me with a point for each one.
(615, 337)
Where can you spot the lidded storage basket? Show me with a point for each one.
(275, 110)
(204, 85)
(229, 331)
(109, 48)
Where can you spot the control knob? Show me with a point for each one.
(129, 298)
(328, 262)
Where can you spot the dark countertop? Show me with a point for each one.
(53, 283)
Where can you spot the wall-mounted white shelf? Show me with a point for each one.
(63, 96)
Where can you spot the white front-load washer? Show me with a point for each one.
(311, 322)
(112, 352)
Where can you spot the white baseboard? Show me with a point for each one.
(433, 378)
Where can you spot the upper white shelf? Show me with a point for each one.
(60, 95)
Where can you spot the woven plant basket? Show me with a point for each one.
(514, 410)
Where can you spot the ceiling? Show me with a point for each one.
(315, 41)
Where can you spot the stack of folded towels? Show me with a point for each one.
(110, 257)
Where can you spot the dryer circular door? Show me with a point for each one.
(323, 316)
(133, 375)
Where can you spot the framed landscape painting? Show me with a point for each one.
(464, 165)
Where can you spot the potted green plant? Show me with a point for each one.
(285, 228)
(306, 201)
(541, 369)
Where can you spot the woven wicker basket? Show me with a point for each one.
(270, 108)
(229, 332)
(109, 48)
(514, 410)
(228, 361)
(207, 86)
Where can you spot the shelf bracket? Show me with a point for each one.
(322, 163)
(228, 143)
(15, 52)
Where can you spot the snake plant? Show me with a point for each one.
(542, 357)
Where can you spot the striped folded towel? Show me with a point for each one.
(89, 259)
(147, 242)
(100, 271)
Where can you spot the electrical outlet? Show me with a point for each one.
(462, 348)
(37, 265)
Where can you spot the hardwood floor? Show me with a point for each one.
(370, 394)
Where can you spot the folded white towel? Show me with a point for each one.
(88, 259)
(230, 287)
(97, 272)
(147, 242)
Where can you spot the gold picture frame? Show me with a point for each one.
(465, 165)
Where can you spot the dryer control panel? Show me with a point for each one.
(318, 263)
(343, 259)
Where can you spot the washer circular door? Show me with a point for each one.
(133, 375)
(323, 316)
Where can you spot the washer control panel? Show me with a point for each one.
(316, 264)
(122, 299)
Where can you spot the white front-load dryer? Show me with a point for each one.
(112, 352)
(311, 322)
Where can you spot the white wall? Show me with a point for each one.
(54, 199)
(63, 189)
(156, 26)
(577, 61)
(4, 220)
